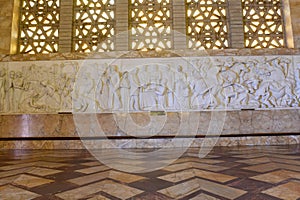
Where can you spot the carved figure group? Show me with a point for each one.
(218, 83)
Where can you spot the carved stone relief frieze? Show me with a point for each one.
(171, 84)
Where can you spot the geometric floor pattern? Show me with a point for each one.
(258, 173)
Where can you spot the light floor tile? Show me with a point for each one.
(277, 176)
(18, 166)
(83, 180)
(220, 190)
(203, 196)
(119, 190)
(14, 172)
(95, 169)
(43, 171)
(107, 186)
(98, 197)
(124, 177)
(7, 180)
(181, 190)
(222, 178)
(9, 192)
(187, 174)
(288, 191)
(31, 181)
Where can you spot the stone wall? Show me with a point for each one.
(260, 95)
(295, 16)
(34, 89)
(142, 84)
(49, 131)
(6, 11)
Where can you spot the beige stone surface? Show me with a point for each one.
(246, 82)
(10, 192)
(6, 11)
(287, 191)
(236, 123)
(295, 16)
(31, 181)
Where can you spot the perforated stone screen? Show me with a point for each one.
(39, 25)
(91, 25)
(263, 23)
(207, 24)
(94, 25)
(150, 24)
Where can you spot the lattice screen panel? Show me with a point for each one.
(94, 26)
(207, 25)
(150, 24)
(39, 24)
(263, 23)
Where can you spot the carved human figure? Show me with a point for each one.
(264, 96)
(241, 69)
(148, 98)
(32, 100)
(135, 99)
(66, 102)
(200, 93)
(169, 77)
(228, 78)
(106, 95)
(18, 84)
(11, 91)
(181, 88)
(65, 91)
(52, 99)
(252, 85)
(114, 78)
(280, 84)
(182, 93)
(161, 93)
(135, 87)
(284, 64)
(44, 98)
(124, 91)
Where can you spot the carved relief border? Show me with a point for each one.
(254, 82)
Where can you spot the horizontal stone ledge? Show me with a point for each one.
(139, 54)
(151, 143)
(186, 136)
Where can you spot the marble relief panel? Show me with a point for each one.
(170, 84)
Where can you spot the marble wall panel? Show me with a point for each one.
(142, 84)
(235, 123)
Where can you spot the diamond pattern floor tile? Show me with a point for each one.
(241, 173)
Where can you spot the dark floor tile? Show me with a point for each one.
(238, 172)
(68, 174)
(152, 196)
(47, 197)
(250, 185)
(53, 188)
(251, 196)
(151, 185)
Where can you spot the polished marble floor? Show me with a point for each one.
(258, 173)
